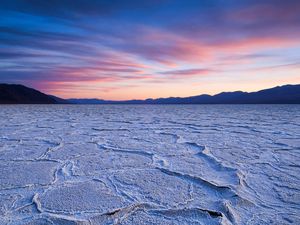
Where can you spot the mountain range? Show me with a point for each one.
(286, 94)
(19, 94)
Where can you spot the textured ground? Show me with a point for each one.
(208, 164)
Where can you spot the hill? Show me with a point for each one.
(287, 94)
(19, 94)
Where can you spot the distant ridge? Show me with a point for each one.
(89, 101)
(19, 94)
(286, 94)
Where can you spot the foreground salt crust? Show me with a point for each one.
(67, 164)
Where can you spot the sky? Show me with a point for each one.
(148, 49)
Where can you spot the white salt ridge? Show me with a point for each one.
(90, 165)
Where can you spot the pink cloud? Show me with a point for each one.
(187, 73)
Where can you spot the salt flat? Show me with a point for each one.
(146, 164)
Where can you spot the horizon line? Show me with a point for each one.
(95, 98)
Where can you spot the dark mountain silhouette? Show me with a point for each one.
(19, 94)
(287, 94)
(59, 100)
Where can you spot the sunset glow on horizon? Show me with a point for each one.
(120, 50)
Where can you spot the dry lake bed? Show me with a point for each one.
(149, 164)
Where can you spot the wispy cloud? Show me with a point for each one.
(80, 45)
(187, 72)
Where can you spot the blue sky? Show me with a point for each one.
(140, 49)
